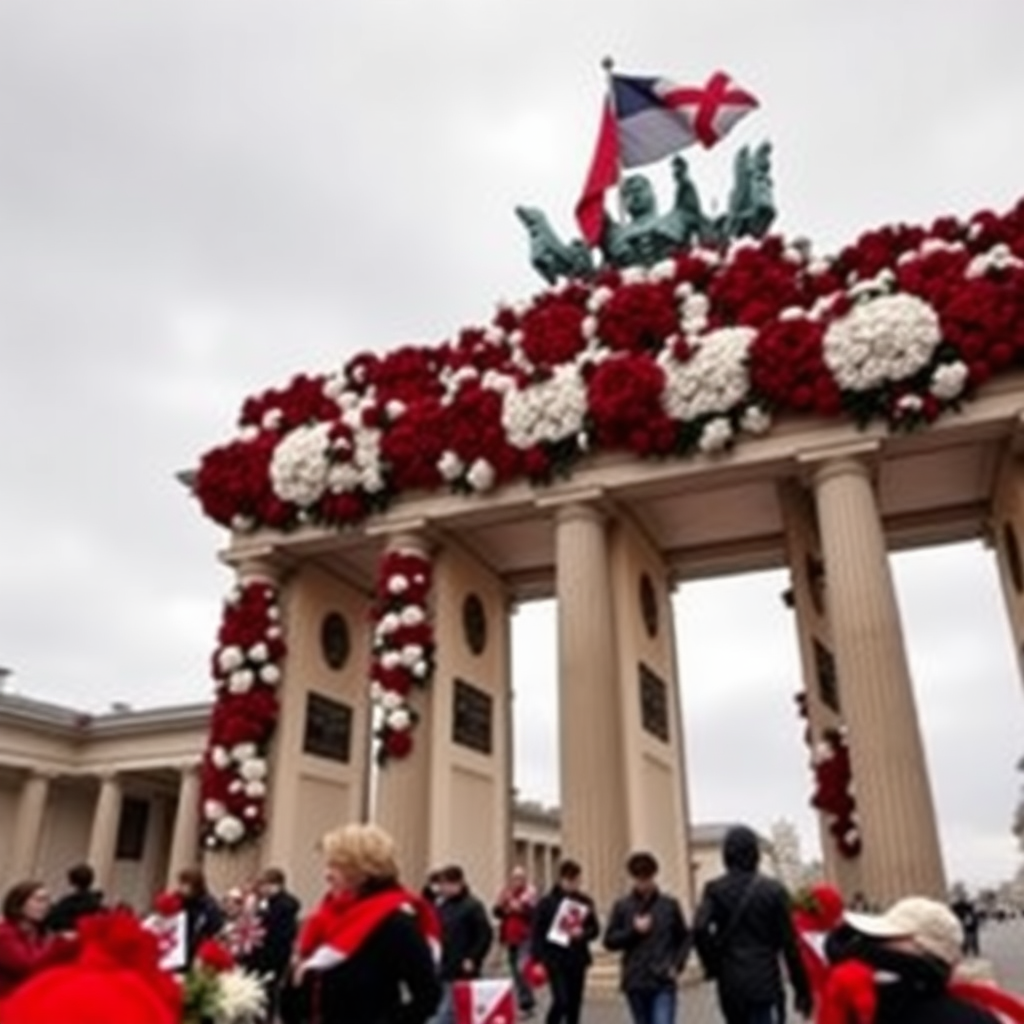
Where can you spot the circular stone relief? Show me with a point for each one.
(334, 640)
(648, 605)
(474, 623)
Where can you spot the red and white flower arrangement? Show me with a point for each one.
(681, 358)
(246, 668)
(833, 790)
(403, 649)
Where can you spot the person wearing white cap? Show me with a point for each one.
(896, 968)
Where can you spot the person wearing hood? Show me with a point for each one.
(744, 932)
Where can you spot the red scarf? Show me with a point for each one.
(343, 922)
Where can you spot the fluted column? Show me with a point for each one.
(592, 787)
(185, 835)
(901, 853)
(403, 798)
(28, 825)
(103, 834)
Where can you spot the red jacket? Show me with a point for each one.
(23, 952)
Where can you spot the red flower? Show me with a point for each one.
(396, 743)
(624, 398)
(639, 317)
(167, 904)
(552, 328)
(215, 956)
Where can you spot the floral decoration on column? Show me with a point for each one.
(833, 784)
(246, 668)
(403, 649)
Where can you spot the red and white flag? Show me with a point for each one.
(487, 1001)
(647, 118)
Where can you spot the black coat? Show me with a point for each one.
(279, 916)
(551, 954)
(389, 979)
(466, 934)
(64, 914)
(749, 970)
(203, 920)
(650, 960)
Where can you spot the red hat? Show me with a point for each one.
(114, 977)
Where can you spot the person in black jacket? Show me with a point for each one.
(82, 899)
(648, 928)
(278, 915)
(742, 929)
(365, 954)
(466, 935)
(564, 924)
(203, 917)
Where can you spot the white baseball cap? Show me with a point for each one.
(930, 924)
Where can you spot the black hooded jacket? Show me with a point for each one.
(747, 935)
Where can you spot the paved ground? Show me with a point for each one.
(1002, 944)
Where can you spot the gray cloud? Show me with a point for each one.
(199, 199)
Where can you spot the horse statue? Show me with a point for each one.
(549, 255)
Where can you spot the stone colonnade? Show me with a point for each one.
(622, 756)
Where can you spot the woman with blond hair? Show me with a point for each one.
(367, 953)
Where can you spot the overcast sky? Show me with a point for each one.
(200, 198)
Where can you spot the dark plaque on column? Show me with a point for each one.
(472, 717)
(648, 605)
(653, 703)
(828, 680)
(328, 731)
(334, 640)
(474, 623)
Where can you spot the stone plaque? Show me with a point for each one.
(815, 569)
(648, 606)
(472, 717)
(335, 644)
(653, 703)
(474, 623)
(828, 680)
(328, 731)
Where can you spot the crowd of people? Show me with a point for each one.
(374, 951)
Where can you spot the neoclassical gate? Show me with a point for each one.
(603, 443)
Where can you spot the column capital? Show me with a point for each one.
(184, 768)
(255, 561)
(855, 458)
(108, 776)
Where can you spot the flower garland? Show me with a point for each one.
(680, 358)
(403, 649)
(246, 667)
(833, 783)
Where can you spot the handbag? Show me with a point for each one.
(712, 948)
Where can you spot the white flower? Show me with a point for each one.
(253, 768)
(948, 380)
(999, 257)
(248, 433)
(391, 660)
(598, 297)
(450, 466)
(399, 720)
(259, 652)
(693, 312)
(230, 658)
(713, 380)
(394, 409)
(220, 757)
(755, 420)
(256, 789)
(421, 670)
(397, 584)
(272, 419)
(243, 751)
(270, 674)
(909, 403)
(299, 466)
(240, 681)
(413, 615)
(388, 623)
(214, 810)
(481, 475)
(551, 410)
(241, 997)
(411, 653)
(229, 829)
(391, 700)
(716, 435)
(883, 339)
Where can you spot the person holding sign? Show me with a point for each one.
(564, 925)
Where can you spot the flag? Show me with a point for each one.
(489, 1001)
(645, 119)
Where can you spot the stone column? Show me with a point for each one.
(901, 853)
(103, 834)
(28, 825)
(185, 835)
(403, 797)
(594, 822)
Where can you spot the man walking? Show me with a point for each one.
(743, 929)
(514, 911)
(648, 929)
(564, 925)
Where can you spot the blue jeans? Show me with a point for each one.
(524, 994)
(654, 1006)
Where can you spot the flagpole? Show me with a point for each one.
(608, 65)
